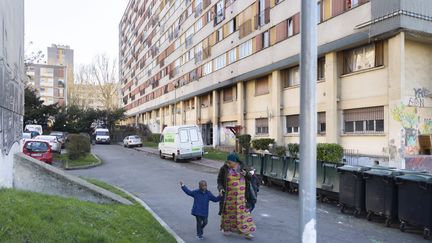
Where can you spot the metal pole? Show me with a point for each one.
(308, 121)
(175, 104)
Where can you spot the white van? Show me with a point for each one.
(181, 142)
(102, 135)
(34, 128)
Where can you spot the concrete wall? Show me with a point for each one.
(11, 84)
(33, 175)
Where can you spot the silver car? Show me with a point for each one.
(53, 142)
(133, 140)
(61, 137)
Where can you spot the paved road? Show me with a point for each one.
(155, 181)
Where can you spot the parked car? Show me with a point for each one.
(35, 128)
(132, 140)
(181, 142)
(102, 135)
(39, 150)
(61, 137)
(53, 142)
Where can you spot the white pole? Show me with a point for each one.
(308, 121)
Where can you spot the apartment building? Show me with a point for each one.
(63, 55)
(228, 65)
(49, 81)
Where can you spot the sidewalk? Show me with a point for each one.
(203, 162)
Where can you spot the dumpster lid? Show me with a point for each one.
(353, 168)
(420, 177)
(383, 172)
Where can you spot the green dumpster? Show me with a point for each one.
(275, 169)
(255, 160)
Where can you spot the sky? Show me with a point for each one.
(89, 27)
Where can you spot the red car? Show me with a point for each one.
(39, 150)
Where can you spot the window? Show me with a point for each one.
(261, 86)
(184, 138)
(363, 57)
(245, 49)
(261, 11)
(232, 26)
(321, 123)
(232, 56)
(228, 94)
(198, 25)
(321, 69)
(220, 11)
(208, 68)
(292, 123)
(220, 62)
(364, 120)
(266, 39)
(189, 11)
(291, 76)
(290, 27)
(319, 12)
(194, 135)
(219, 35)
(261, 126)
(209, 16)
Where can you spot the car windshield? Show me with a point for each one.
(37, 146)
(26, 135)
(102, 133)
(136, 137)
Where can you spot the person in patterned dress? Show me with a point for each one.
(232, 184)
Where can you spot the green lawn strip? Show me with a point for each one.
(88, 160)
(214, 154)
(110, 188)
(34, 217)
(150, 144)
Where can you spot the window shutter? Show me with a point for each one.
(321, 117)
(379, 53)
(272, 33)
(213, 38)
(362, 114)
(281, 31)
(296, 23)
(293, 121)
(267, 12)
(261, 86)
(259, 42)
(338, 7)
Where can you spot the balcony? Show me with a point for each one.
(189, 41)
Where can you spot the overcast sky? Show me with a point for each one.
(87, 26)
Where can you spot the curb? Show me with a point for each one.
(193, 162)
(147, 207)
(85, 166)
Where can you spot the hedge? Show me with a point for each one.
(329, 152)
(262, 143)
(78, 146)
(294, 149)
(245, 141)
(280, 151)
(154, 137)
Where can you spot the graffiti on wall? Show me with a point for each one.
(415, 118)
(11, 95)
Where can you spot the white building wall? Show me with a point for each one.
(11, 85)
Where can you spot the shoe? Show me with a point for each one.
(200, 237)
(249, 236)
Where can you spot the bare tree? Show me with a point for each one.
(105, 75)
(96, 84)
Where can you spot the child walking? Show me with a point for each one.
(200, 205)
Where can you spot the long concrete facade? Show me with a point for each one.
(222, 64)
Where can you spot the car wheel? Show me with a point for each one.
(199, 158)
(175, 158)
(160, 154)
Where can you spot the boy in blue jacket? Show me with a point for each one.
(201, 204)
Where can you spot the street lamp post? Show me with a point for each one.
(308, 121)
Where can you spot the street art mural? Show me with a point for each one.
(11, 94)
(415, 117)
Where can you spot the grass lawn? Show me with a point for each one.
(110, 188)
(150, 144)
(214, 154)
(34, 217)
(89, 159)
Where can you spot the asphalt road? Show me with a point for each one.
(155, 181)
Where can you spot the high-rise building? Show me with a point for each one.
(63, 55)
(49, 81)
(232, 64)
